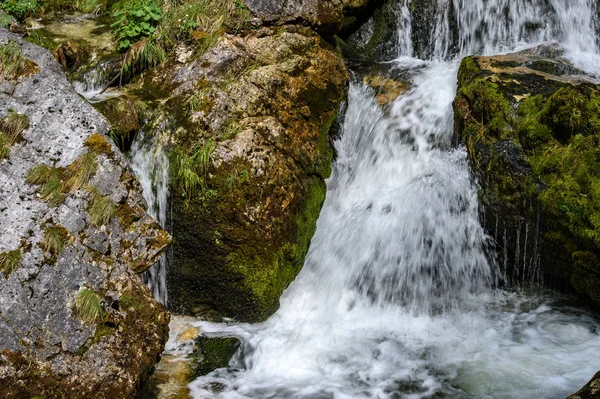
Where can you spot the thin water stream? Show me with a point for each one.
(397, 296)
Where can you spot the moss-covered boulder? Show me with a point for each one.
(76, 321)
(531, 126)
(123, 117)
(211, 353)
(248, 161)
(590, 391)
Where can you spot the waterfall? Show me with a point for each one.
(397, 297)
(151, 166)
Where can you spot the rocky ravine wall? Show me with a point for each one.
(75, 319)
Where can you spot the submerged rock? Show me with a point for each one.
(213, 353)
(531, 124)
(249, 156)
(590, 391)
(75, 319)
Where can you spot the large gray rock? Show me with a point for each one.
(47, 348)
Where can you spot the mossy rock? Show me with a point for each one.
(532, 132)
(249, 157)
(212, 353)
(123, 117)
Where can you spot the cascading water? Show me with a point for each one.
(151, 166)
(397, 296)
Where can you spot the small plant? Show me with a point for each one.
(88, 306)
(186, 174)
(4, 147)
(135, 20)
(13, 64)
(235, 179)
(143, 55)
(6, 20)
(20, 8)
(13, 125)
(9, 261)
(56, 239)
(50, 178)
(80, 172)
(101, 209)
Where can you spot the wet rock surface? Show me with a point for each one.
(590, 391)
(530, 123)
(260, 108)
(73, 221)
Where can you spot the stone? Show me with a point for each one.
(123, 117)
(213, 353)
(260, 109)
(530, 122)
(46, 347)
(590, 391)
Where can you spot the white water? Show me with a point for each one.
(397, 298)
(151, 166)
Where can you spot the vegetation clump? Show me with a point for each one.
(190, 170)
(13, 64)
(9, 261)
(88, 306)
(12, 127)
(57, 183)
(56, 239)
(102, 208)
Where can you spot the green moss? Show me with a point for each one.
(267, 279)
(212, 354)
(9, 261)
(98, 144)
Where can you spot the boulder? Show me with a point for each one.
(325, 16)
(211, 353)
(250, 150)
(590, 391)
(76, 320)
(531, 125)
(123, 117)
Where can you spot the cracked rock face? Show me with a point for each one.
(80, 228)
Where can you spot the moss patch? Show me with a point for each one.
(212, 353)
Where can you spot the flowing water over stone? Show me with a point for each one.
(398, 297)
(151, 166)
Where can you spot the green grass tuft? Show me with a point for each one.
(79, 173)
(56, 239)
(189, 168)
(40, 174)
(13, 64)
(9, 261)
(101, 209)
(143, 55)
(88, 306)
(13, 125)
(4, 147)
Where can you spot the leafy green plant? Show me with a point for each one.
(9, 261)
(6, 20)
(102, 208)
(235, 179)
(20, 8)
(134, 20)
(13, 64)
(56, 239)
(88, 306)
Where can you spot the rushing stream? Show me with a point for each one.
(398, 297)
